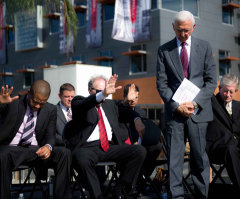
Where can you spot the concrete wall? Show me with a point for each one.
(77, 74)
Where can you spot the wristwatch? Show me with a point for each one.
(195, 104)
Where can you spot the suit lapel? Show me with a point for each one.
(108, 113)
(60, 114)
(174, 54)
(22, 106)
(194, 58)
(41, 118)
(222, 112)
(235, 111)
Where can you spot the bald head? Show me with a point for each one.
(39, 94)
(40, 87)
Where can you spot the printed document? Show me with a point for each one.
(186, 92)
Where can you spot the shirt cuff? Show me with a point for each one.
(100, 97)
(50, 147)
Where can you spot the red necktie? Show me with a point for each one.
(184, 59)
(102, 130)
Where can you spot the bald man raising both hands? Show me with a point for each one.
(28, 135)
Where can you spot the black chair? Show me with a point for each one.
(217, 169)
(23, 186)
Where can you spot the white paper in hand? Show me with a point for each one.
(186, 92)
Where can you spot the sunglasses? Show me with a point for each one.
(97, 91)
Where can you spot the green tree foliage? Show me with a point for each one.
(14, 6)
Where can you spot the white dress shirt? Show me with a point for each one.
(95, 135)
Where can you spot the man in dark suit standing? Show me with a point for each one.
(64, 111)
(28, 135)
(191, 58)
(224, 131)
(95, 137)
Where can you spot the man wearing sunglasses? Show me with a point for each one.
(94, 137)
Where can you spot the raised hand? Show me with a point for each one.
(131, 93)
(5, 95)
(110, 86)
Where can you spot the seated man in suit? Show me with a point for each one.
(130, 101)
(94, 137)
(223, 132)
(28, 135)
(64, 111)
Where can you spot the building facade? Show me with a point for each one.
(217, 21)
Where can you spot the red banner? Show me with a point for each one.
(94, 14)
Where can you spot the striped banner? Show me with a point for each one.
(2, 34)
(132, 20)
(94, 24)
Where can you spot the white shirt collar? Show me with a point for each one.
(63, 107)
(188, 41)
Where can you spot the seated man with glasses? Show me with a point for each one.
(94, 136)
(28, 126)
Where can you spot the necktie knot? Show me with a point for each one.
(183, 44)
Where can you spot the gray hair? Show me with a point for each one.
(228, 80)
(184, 15)
(93, 78)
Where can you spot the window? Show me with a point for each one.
(8, 77)
(224, 66)
(11, 36)
(107, 62)
(138, 61)
(81, 19)
(54, 25)
(227, 13)
(78, 58)
(178, 5)
(108, 12)
(81, 15)
(28, 79)
(154, 4)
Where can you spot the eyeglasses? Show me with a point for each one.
(97, 91)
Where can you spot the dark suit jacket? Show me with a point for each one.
(202, 73)
(128, 129)
(12, 117)
(223, 127)
(61, 122)
(85, 119)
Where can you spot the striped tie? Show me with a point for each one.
(102, 130)
(69, 115)
(28, 130)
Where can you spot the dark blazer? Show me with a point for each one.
(61, 122)
(223, 127)
(85, 118)
(12, 117)
(202, 73)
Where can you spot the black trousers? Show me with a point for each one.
(228, 153)
(131, 158)
(12, 157)
(153, 152)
